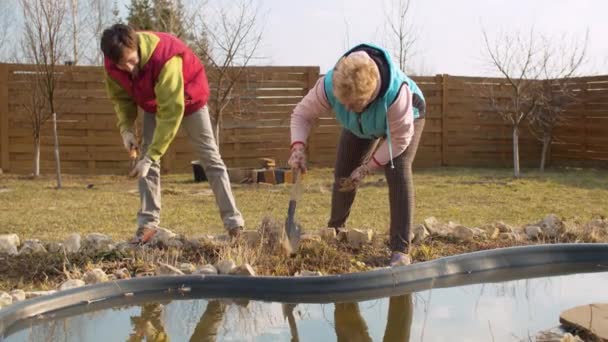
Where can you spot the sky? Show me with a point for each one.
(449, 33)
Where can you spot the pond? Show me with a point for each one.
(509, 311)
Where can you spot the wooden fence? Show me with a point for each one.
(460, 129)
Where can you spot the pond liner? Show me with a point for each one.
(489, 266)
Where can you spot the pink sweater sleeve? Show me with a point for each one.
(401, 125)
(310, 107)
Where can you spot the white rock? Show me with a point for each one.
(54, 247)
(166, 269)
(463, 233)
(551, 226)
(420, 233)
(163, 236)
(96, 243)
(122, 273)
(72, 243)
(206, 269)
(12, 238)
(17, 295)
(32, 246)
(71, 284)
(504, 228)
(95, 276)
(244, 270)
(433, 226)
(8, 245)
(5, 299)
(327, 234)
(358, 237)
(225, 266)
(533, 232)
(187, 268)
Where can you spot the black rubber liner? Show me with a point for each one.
(490, 266)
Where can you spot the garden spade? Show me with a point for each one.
(292, 229)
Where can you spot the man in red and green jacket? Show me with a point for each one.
(160, 74)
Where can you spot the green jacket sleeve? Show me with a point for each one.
(169, 90)
(124, 106)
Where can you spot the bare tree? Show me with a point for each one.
(232, 44)
(561, 62)
(400, 34)
(75, 21)
(44, 45)
(100, 14)
(516, 57)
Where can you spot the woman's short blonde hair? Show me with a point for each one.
(355, 78)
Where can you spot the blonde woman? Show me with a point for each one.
(372, 99)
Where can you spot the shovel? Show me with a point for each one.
(292, 230)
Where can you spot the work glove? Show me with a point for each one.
(128, 139)
(297, 160)
(355, 179)
(142, 168)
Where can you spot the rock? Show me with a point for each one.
(96, 243)
(32, 246)
(125, 248)
(243, 270)
(162, 236)
(95, 276)
(54, 247)
(420, 233)
(551, 226)
(71, 284)
(17, 295)
(13, 239)
(327, 234)
(9, 244)
(591, 319)
(433, 226)
(310, 238)
(176, 244)
(463, 233)
(34, 294)
(342, 235)
(72, 243)
(166, 269)
(5, 299)
(597, 223)
(225, 266)
(187, 268)
(504, 228)
(508, 236)
(533, 232)
(206, 269)
(122, 273)
(571, 338)
(493, 232)
(305, 273)
(253, 238)
(358, 237)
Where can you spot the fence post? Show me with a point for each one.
(4, 157)
(444, 118)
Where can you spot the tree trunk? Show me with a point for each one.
(543, 158)
(36, 157)
(218, 129)
(516, 151)
(57, 163)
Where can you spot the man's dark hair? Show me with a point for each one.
(115, 39)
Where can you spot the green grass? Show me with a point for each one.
(474, 197)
